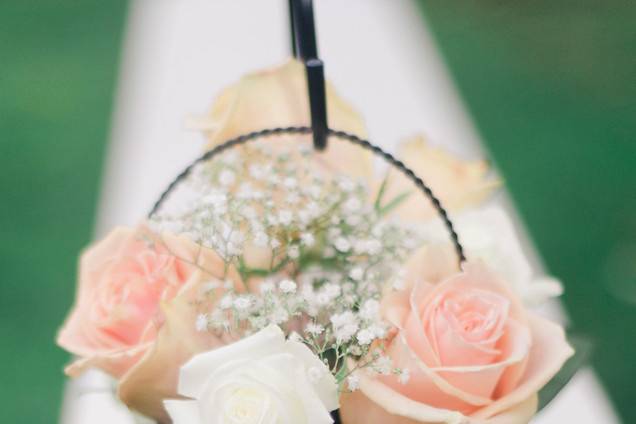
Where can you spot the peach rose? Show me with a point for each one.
(134, 316)
(474, 354)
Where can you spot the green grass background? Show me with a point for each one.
(58, 62)
(551, 84)
(552, 87)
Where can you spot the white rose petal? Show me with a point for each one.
(261, 378)
(489, 234)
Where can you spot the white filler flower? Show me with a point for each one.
(262, 379)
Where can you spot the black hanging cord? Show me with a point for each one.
(304, 48)
(354, 139)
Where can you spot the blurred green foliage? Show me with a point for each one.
(58, 62)
(552, 87)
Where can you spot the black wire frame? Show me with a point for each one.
(352, 138)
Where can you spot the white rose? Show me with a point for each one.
(262, 379)
(488, 234)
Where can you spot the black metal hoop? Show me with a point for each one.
(354, 139)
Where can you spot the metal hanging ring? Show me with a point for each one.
(354, 139)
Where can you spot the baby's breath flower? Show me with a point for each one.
(345, 326)
(352, 204)
(292, 198)
(356, 274)
(404, 376)
(346, 184)
(314, 329)
(290, 183)
(351, 251)
(287, 286)
(261, 239)
(307, 239)
(285, 217)
(378, 331)
(342, 245)
(202, 322)
(226, 302)
(266, 286)
(279, 316)
(383, 365)
(293, 252)
(256, 171)
(370, 309)
(249, 213)
(353, 220)
(332, 290)
(365, 337)
(227, 177)
(353, 382)
(242, 303)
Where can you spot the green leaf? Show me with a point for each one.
(378, 198)
(394, 203)
(341, 374)
(583, 348)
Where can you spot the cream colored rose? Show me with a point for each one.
(261, 379)
(277, 97)
(133, 315)
(457, 183)
(474, 354)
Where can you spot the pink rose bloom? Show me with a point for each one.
(474, 354)
(135, 294)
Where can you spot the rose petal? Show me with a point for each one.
(376, 403)
(183, 411)
(76, 336)
(193, 374)
(549, 352)
(476, 275)
(115, 363)
(277, 97)
(326, 387)
(425, 384)
(155, 376)
(457, 183)
(521, 413)
(482, 380)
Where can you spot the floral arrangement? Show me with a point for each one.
(284, 284)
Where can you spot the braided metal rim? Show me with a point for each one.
(352, 138)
